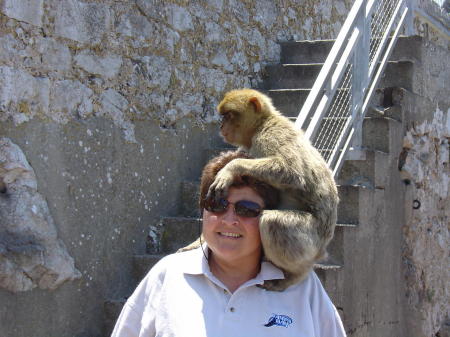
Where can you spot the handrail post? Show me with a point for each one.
(360, 76)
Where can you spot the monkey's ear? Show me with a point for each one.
(256, 103)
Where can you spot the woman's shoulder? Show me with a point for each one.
(175, 262)
(312, 287)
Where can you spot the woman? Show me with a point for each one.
(214, 290)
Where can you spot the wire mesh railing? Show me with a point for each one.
(338, 114)
(335, 108)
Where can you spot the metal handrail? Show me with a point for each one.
(334, 109)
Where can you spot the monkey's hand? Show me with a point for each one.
(219, 188)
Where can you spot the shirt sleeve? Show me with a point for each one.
(327, 320)
(333, 326)
(128, 324)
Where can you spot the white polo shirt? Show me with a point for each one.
(180, 297)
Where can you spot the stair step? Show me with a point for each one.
(143, 263)
(305, 51)
(407, 48)
(348, 208)
(174, 233)
(370, 171)
(295, 76)
(378, 133)
(291, 76)
(112, 309)
(398, 74)
(394, 112)
(189, 199)
(288, 101)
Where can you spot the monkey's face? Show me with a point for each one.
(229, 126)
(237, 122)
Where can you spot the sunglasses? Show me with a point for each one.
(245, 208)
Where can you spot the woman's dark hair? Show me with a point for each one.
(268, 193)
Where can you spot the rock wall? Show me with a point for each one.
(153, 60)
(426, 232)
(425, 168)
(112, 103)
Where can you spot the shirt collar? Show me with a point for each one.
(197, 264)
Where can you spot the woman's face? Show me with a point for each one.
(230, 237)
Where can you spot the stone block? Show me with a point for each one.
(114, 105)
(82, 22)
(156, 70)
(70, 99)
(266, 13)
(22, 95)
(213, 78)
(179, 18)
(12, 49)
(239, 10)
(214, 32)
(190, 104)
(30, 11)
(221, 60)
(136, 26)
(54, 55)
(107, 66)
(152, 8)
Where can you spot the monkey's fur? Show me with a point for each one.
(295, 235)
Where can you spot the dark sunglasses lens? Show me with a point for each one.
(247, 208)
(216, 207)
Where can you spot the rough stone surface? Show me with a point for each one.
(426, 232)
(30, 11)
(53, 55)
(31, 255)
(81, 21)
(107, 67)
(22, 95)
(152, 52)
(70, 99)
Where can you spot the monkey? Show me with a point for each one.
(296, 234)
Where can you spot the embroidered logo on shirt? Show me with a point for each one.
(279, 320)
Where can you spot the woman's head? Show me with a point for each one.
(232, 231)
(269, 194)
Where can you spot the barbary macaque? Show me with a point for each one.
(296, 235)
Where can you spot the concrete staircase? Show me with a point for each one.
(364, 184)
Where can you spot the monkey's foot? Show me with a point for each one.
(282, 284)
(219, 188)
(276, 285)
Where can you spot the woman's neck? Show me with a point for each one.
(233, 275)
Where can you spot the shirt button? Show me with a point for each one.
(232, 309)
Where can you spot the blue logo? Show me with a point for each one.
(279, 320)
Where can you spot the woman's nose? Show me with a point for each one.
(230, 216)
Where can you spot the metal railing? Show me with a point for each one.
(334, 110)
